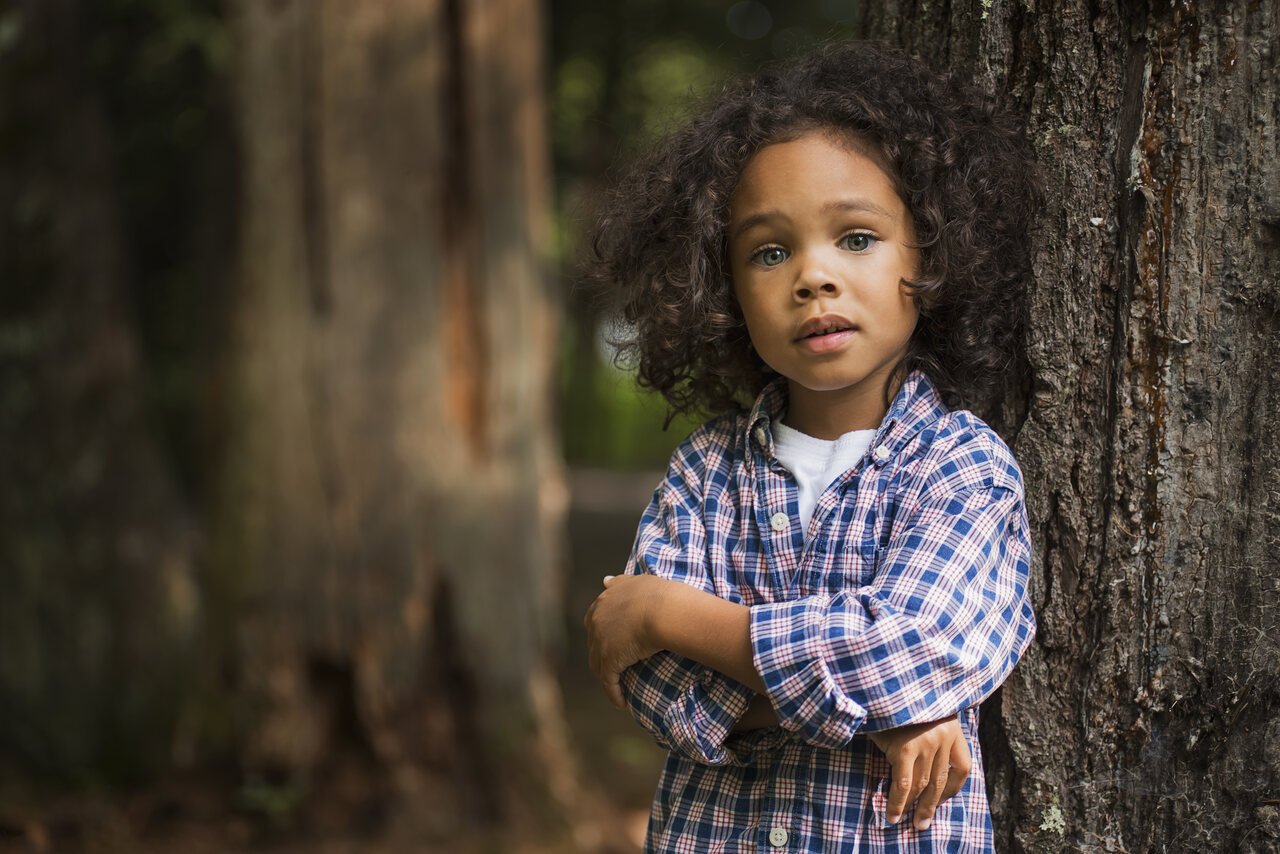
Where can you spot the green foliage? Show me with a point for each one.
(92, 667)
(664, 83)
(610, 422)
(162, 70)
(631, 750)
(622, 75)
(277, 803)
(576, 96)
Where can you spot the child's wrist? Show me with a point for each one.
(673, 601)
(653, 624)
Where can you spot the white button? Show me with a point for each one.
(780, 521)
(778, 837)
(882, 453)
(761, 439)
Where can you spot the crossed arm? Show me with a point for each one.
(641, 615)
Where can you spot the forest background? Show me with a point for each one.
(314, 454)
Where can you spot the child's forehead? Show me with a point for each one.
(852, 142)
(817, 167)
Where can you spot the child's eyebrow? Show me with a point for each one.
(856, 204)
(850, 204)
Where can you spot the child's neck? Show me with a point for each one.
(831, 414)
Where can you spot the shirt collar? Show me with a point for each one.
(916, 405)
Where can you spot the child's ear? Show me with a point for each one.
(924, 300)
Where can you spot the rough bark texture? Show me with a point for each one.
(1146, 717)
(99, 603)
(392, 488)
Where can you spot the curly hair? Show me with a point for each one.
(960, 164)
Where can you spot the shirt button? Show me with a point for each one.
(882, 454)
(778, 837)
(761, 438)
(780, 521)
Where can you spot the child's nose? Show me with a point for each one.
(815, 280)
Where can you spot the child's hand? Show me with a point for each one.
(930, 761)
(620, 627)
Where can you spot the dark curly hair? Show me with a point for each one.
(961, 166)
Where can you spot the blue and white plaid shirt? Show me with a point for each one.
(909, 604)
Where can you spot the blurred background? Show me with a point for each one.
(314, 451)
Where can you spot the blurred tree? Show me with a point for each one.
(1146, 715)
(390, 516)
(99, 601)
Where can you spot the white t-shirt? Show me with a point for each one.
(817, 462)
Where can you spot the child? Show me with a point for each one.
(833, 574)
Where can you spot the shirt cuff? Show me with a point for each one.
(789, 650)
(698, 723)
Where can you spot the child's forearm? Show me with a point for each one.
(759, 715)
(709, 630)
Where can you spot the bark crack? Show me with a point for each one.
(316, 273)
(1130, 210)
(464, 334)
(310, 129)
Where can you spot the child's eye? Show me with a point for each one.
(770, 256)
(858, 241)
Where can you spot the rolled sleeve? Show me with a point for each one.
(687, 707)
(790, 653)
(946, 619)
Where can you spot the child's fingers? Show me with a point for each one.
(608, 579)
(961, 764)
(932, 794)
(609, 681)
(613, 688)
(902, 785)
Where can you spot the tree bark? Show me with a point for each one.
(392, 490)
(1146, 716)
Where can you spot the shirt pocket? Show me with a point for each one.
(854, 555)
(875, 567)
(876, 540)
(863, 556)
(840, 566)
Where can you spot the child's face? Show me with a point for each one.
(818, 240)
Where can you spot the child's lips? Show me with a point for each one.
(827, 343)
(824, 323)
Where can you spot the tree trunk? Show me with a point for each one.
(1146, 717)
(393, 493)
(99, 603)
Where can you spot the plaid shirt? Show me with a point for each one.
(909, 604)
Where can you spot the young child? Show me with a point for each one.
(833, 574)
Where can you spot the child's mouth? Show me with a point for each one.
(834, 330)
(827, 340)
